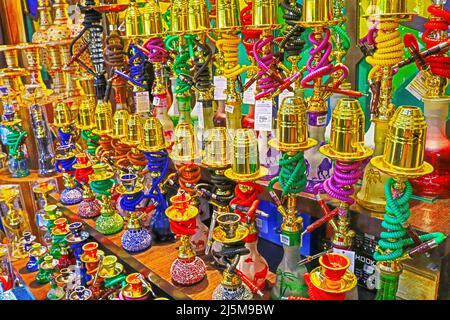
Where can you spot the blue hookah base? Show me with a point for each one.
(136, 240)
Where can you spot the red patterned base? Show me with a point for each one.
(89, 209)
(188, 272)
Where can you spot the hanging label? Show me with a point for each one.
(220, 86)
(263, 115)
(317, 119)
(159, 102)
(350, 255)
(285, 93)
(142, 102)
(417, 87)
(249, 94)
(229, 108)
(198, 112)
(285, 239)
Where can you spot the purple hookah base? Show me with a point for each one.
(136, 240)
(89, 209)
(71, 196)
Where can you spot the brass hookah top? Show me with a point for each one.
(230, 230)
(198, 17)
(135, 130)
(404, 148)
(264, 15)
(318, 13)
(218, 151)
(227, 16)
(181, 208)
(120, 124)
(153, 136)
(390, 10)
(179, 22)
(152, 20)
(184, 149)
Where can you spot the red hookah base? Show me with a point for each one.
(188, 272)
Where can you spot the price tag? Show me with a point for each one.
(229, 108)
(263, 115)
(249, 94)
(142, 102)
(417, 87)
(286, 93)
(220, 85)
(285, 239)
(350, 255)
(198, 112)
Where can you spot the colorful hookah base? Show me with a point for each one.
(136, 240)
(188, 272)
(225, 293)
(56, 293)
(42, 277)
(89, 209)
(288, 284)
(71, 196)
(109, 224)
(18, 167)
(32, 266)
(388, 286)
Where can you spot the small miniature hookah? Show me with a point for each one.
(89, 207)
(403, 158)
(292, 140)
(135, 239)
(154, 148)
(389, 51)
(185, 154)
(437, 148)
(91, 258)
(42, 189)
(187, 269)
(14, 137)
(51, 214)
(64, 122)
(76, 238)
(329, 281)
(101, 182)
(58, 248)
(55, 292)
(36, 256)
(235, 285)
(42, 134)
(244, 170)
(27, 241)
(136, 288)
(46, 269)
(347, 149)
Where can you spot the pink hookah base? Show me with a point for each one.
(89, 209)
(187, 272)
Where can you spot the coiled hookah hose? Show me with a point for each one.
(392, 242)
(228, 44)
(292, 176)
(102, 187)
(440, 21)
(136, 158)
(65, 137)
(65, 165)
(189, 174)
(121, 152)
(104, 146)
(292, 44)
(14, 139)
(91, 141)
(158, 164)
(156, 51)
(129, 202)
(82, 175)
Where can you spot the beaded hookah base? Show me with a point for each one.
(71, 196)
(136, 240)
(89, 209)
(186, 272)
(109, 224)
(240, 293)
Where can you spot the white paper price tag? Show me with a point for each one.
(417, 87)
(284, 239)
(263, 115)
(249, 94)
(350, 255)
(220, 85)
(142, 102)
(322, 120)
(198, 112)
(229, 108)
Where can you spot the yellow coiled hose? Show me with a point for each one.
(389, 48)
(228, 44)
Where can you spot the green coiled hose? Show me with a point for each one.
(292, 177)
(91, 140)
(397, 213)
(102, 187)
(111, 282)
(343, 36)
(13, 139)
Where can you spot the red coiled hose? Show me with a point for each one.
(121, 151)
(250, 35)
(104, 146)
(82, 175)
(189, 174)
(137, 158)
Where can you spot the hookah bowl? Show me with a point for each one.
(135, 238)
(76, 239)
(71, 195)
(59, 232)
(347, 149)
(80, 293)
(91, 258)
(231, 234)
(109, 221)
(403, 158)
(134, 288)
(111, 271)
(293, 140)
(46, 269)
(188, 269)
(51, 214)
(36, 254)
(245, 169)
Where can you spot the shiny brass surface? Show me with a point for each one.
(86, 116)
(134, 130)
(103, 118)
(62, 115)
(228, 17)
(405, 145)
(391, 9)
(264, 14)
(120, 124)
(100, 172)
(245, 166)
(218, 151)
(185, 149)
(133, 20)
(318, 13)
(198, 16)
(152, 19)
(347, 133)
(292, 129)
(179, 17)
(153, 136)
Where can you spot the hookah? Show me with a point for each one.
(319, 16)
(51, 214)
(42, 189)
(42, 134)
(244, 170)
(228, 24)
(235, 285)
(292, 140)
(40, 35)
(101, 182)
(55, 292)
(13, 136)
(77, 239)
(58, 248)
(27, 241)
(437, 149)
(402, 159)
(46, 269)
(154, 148)
(91, 259)
(389, 52)
(154, 49)
(135, 239)
(347, 149)
(64, 122)
(329, 281)
(86, 121)
(185, 155)
(187, 269)
(36, 256)
(135, 288)
(89, 207)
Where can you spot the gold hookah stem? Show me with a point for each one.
(40, 36)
